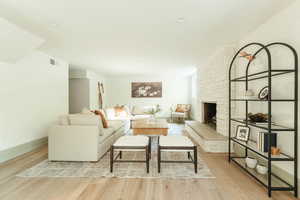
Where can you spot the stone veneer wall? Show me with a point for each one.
(213, 86)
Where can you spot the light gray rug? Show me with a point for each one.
(125, 170)
(121, 170)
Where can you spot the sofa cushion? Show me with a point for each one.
(116, 124)
(111, 115)
(106, 132)
(86, 120)
(137, 117)
(64, 120)
(178, 114)
(141, 110)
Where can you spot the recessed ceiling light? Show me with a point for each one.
(180, 20)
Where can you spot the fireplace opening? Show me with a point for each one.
(210, 114)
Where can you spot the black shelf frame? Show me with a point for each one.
(280, 128)
(269, 127)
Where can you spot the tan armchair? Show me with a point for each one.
(182, 112)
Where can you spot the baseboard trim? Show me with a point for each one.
(21, 149)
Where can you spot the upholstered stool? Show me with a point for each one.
(130, 143)
(177, 143)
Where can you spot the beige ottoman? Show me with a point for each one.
(176, 143)
(130, 143)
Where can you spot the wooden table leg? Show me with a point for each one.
(158, 158)
(147, 158)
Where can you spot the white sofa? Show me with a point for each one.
(81, 137)
(132, 113)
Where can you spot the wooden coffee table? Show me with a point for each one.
(150, 127)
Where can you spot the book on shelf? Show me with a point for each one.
(262, 141)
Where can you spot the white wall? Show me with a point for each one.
(175, 90)
(213, 86)
(33, 94)
(78, 94)
(84, 90)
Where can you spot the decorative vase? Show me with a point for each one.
(275, 151)
(251, 162)
(261, 169)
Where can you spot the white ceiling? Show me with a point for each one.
(118, 37)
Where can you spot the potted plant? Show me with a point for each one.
(154, 111)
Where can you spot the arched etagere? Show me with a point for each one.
(271, 181)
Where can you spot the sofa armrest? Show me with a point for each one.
(73, 143)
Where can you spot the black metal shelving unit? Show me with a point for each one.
(272, 181)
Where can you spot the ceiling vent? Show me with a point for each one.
(52, 62)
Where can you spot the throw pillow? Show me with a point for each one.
(63, 120)
(102, 117)
(120, 111)
(180, 109)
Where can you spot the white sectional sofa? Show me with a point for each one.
(81, 137)
(132, 113)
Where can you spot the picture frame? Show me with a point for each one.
(242, 133)
(146, 89)
(264, 93)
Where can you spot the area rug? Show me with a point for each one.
(122, 170)
(125, 170)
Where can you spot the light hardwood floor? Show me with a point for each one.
(231, 183)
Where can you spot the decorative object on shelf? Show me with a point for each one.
(246, 55)
(249, 94)
(100, 96)
(275, 151)
(261, 169)
(251, 162)
(102, 88)
(258, 117)
(262, 141)
(146, 89)
(242, 133)
(263, 93)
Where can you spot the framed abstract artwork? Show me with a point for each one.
(242, 133)
(146, 89)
